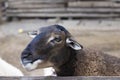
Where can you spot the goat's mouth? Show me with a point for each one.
(36, 64)
(31, 65)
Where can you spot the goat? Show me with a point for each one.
(54, 46)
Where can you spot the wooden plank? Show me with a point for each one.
(95, 0)
(63, 78)
(42, 1)
(100, 10)
(73, 10)
(34, 2)
(115, 0)
(36, 6)
(37, 10)
(61, 15)
(59, 0)
(93, 4)
(72, 4)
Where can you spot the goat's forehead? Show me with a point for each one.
(49, 32)
(48, 29)
(45, 35)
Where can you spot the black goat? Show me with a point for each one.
(55, 47)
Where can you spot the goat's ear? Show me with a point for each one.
(32, 34)
(73, 44)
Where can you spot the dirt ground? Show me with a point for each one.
(102, 35)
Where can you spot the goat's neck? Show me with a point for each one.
(68, 68)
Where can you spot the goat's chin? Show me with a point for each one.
(32, 66)
(38, 64)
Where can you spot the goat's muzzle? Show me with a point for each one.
(28, 61)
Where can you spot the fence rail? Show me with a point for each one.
(64, 8)
(61, 78)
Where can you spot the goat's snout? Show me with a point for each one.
(26, 57)
(29, 61)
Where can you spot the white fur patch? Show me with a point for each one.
(51, 38)
(68, 40)
(49, 71)
(31, 66)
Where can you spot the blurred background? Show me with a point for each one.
(94, 23)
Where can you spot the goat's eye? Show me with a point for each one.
(58, 39)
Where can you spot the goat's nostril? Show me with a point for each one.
(26, 54)
(26, 57)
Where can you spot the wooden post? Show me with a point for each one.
(2, 10)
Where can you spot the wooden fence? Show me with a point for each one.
(1, 10)
(64, 8)
(60, 78)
